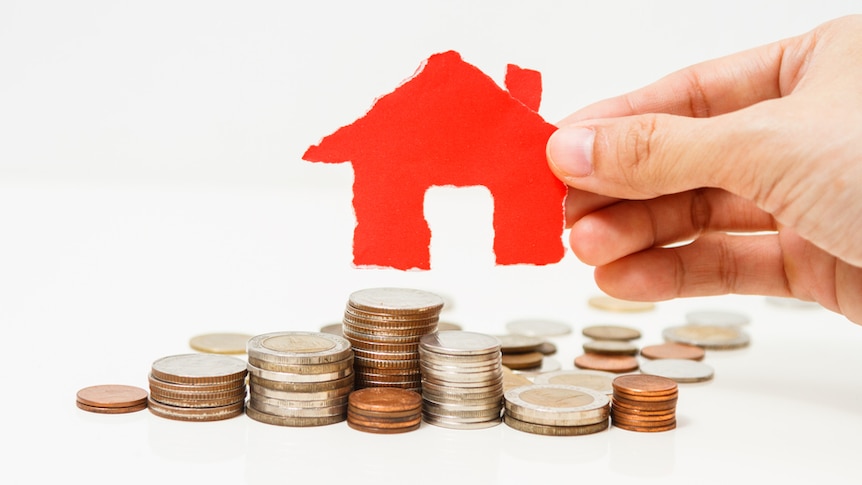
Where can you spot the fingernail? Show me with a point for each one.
(570, 149)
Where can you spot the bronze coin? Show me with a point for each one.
(383, 429)
(673, 350)
(608, 363)
(385, 399)
(644, 429)
(626, 404)
(645, 385)
(112, 396)
(526, 360)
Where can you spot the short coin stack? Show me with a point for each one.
(197, 387)
(644, 403)
(384, 325)
(521, 351)
(112, 399)
(299, 378)
(556, 410)
(462, 379)
(384, 410)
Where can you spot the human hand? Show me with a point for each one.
(755, 158)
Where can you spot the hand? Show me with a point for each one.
(738, 175)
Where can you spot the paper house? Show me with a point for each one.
(451, 125)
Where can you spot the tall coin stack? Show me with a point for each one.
(644, 403)
(197, 387)
(462, 379)
(384, 325)
(299, 378)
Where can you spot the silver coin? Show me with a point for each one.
(396, 300)
(596, 380)
(455, 342)
(192, 367)
(716, 317)
(297, 378)
(516, 343)
(298, 348)
(611, 347)
(679, 370)
(539, 327)
(708, 336)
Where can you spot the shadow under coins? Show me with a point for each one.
(197, 442)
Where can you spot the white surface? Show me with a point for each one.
(151, 190)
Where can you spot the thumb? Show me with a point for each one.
(639, 157)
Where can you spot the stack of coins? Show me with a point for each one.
(384, 325)
(384, 410)
(521, 351)
(299, 378)
(197, 387)
(112, 399)
(462, 379)
(556, 410)
(644, 403)
(610, 349)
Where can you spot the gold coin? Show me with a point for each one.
(220, 343)
(611, 347)
(708, 336)
(611, 332)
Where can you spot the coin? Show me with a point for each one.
(609, 363)
(642, 385)
(298, 348)
(591, 379)
(526, 360)
(644, 403)
(549, 364)
(609, 303)
(717, 337)
(396, 301)
(333, 328)
(548, 348)
(557, 404)
(453, 342)
(294, 421)
(548, 430)
(611, 347)
(199, 369)
(538, 327)
(515, 343)
(195, 414)
(680, 370)
(112, 396)
(220, 343)
(716, 317)
(108, 410)
(673, 350)
(510, 379)
(385, 400)
(611, 332)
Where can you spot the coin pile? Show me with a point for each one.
(384, 325)
(384, 410)
(197, 387)
(299, 378)
(462, 379)
(521, 351)
(644, 403)
(556, 410)
(112, 399)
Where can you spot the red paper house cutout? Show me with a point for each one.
(450, 124)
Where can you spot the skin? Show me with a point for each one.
(738, 175)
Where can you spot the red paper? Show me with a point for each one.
(450, 124)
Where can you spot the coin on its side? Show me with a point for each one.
(220, 343)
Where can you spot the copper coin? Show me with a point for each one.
(384, 430)
(644, 429)
(608, 363)
(112, 396)
(673, 350)
(624, 403)
(105, 410)
(611, 332)
(641, 385)
(385, 399)
(526, 360)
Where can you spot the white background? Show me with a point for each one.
(151, 189)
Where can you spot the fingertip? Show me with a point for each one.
(570, 152)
